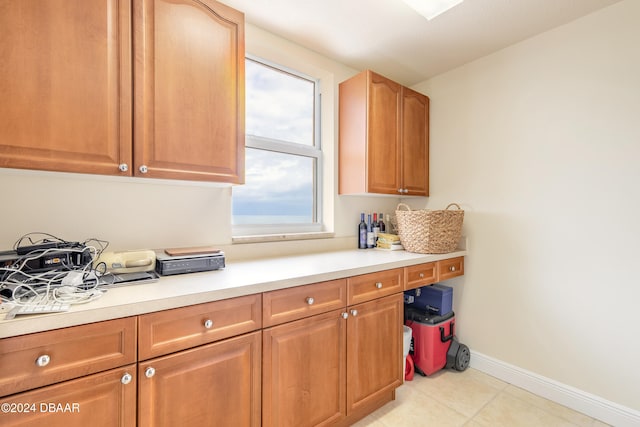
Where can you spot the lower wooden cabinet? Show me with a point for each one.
(106, 399)
(374, 351)
(332, 355)
(332, 368)
(304, 372)
(213, 385)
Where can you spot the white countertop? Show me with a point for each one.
(236, 279)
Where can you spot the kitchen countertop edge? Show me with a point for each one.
(235, 280)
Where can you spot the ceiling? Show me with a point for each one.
(392, 39)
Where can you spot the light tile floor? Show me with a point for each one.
(474, 399)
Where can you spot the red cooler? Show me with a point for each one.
(432, 336)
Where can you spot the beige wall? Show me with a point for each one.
(540, 142)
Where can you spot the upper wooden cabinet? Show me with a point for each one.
(65, 85)
(74, 100)
(384, 137)
(189, 90)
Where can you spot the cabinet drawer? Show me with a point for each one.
(374, 285)
(449, 268)
(302, 301)
(168, 331)
(35, 360)
(420, 275)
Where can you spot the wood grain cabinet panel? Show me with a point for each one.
(150, 88)
(35, 360)
(420, 275)
(374, 351)
(304, 372)
(289, 304)
(450, 268)
(173, 330)
(415, 143)
(366, 287)
(106, 399)
(383, 137)
(189, 90)
(213, 385)
(65, 85)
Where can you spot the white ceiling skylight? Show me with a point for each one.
(432, 8)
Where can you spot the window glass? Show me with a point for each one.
(279, 189)
(279, 105)
(282, 156)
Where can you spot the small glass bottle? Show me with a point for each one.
(381, 224)
(370, 240)
(362, 233)
(376, 227)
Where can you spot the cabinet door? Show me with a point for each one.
(189, 90)
(415, 143)
(65, 85)
(383, 149)
(304, 375)
(374, 350)
(214, 385)
(107, 399)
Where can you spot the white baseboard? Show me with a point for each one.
(581, 401)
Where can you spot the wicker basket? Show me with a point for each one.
(429, 231)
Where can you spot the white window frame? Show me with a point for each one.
(250, 232)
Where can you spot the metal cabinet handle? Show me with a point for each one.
(379, 285)
(149, 372)
(310, 300)
(123, 167)
(208, 323)
(345, 315)
(422, 275)
(126, 378)
(452, 268)
(354, 312)
(143, 169)
(43, 360)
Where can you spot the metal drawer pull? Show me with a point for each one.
(126, 378)
(422, 275)
(345, 315)
(208, 323)
(379, 285)
(150, 372)
(452, 268)
(43, 360)
(354, 313)
(310, 300)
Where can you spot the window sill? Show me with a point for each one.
(282, 237)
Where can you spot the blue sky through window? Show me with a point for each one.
(279, 187)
